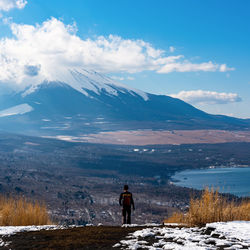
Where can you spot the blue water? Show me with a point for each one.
(228, 180)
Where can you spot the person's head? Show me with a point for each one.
(125, 187)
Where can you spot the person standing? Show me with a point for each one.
(126, 201)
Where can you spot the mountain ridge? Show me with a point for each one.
(100, 97)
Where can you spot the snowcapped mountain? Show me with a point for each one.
(86, 81)
(82, 101)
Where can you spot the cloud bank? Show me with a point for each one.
(207, 97)
(192, 67)
(6, 5)
(45, 50)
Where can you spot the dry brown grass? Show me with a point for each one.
(211, 207)
(21, 212)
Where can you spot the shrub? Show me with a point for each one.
(211, 207)
(21, 212)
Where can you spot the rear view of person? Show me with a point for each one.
(126, 201)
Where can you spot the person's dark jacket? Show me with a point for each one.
(126, 199)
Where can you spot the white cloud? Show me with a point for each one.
(207, 97)
(224, 68)
(43, 51)
(6, 5)
(119, 78)
(187, 66)
(130, 78)
(172, 49)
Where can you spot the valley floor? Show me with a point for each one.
(220, 235)
(81, 182)
(161, 137)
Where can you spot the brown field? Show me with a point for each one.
(175, 137)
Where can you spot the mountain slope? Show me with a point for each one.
(87, 101)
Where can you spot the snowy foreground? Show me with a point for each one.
(219, 235)
(13, 230)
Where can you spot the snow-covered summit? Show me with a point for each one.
(84, 81)
(86, 94)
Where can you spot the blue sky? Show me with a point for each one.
(194, 50)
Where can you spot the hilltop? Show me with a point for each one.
(226, 235)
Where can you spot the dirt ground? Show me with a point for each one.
(103, 237)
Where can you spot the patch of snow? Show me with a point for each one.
(100, 122)
(220, 235)
(30, 90)
(142, 225)
(144, 233)
(117, 245)
(233, 230)
(16, 110)
(9, 230)
(172, 224)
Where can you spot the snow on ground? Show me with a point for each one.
(16, 110)
(144, 225)
(9, 230)
(220, 235)
(233, 229)
(84, 80)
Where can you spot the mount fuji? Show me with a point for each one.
(84, 101)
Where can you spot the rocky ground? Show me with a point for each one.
(221, 235)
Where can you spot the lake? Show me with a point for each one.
(228, 180)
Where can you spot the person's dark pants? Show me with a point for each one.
(126, 214)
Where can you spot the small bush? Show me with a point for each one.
(212, 207)
(21, 212)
